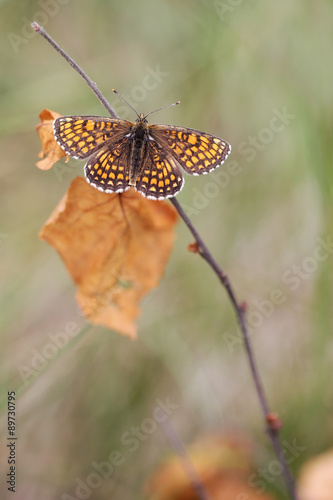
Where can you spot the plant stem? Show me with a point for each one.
(187, 464)
(240, 309)
(40, 30)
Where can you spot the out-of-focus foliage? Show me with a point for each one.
(257, 74)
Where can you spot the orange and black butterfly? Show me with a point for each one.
(147, 157)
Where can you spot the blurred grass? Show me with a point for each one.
(230, 71)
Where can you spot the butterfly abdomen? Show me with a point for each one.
(139, 140)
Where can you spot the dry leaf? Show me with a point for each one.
(115, 247)
(51, 151)
(222, 465)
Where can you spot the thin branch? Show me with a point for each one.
(92, 85)
(179, 448)
(240, 309)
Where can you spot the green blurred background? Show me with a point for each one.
(258, 74)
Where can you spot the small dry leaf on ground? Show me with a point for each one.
(223, 465)
(115, 247)
(316, 478)
(51, 151)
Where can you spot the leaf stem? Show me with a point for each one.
(240, 309)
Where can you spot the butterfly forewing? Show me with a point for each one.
(81, 136)
(196, 152)
(160, 176)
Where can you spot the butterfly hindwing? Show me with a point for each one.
(161, 175)
(108, 169)
(196, 152)
(81, 136)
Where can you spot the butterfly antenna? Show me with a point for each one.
(160, 109)
(121, 97)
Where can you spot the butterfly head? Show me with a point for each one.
(141, 118)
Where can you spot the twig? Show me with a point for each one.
(40, 30)
(179, 448)
(240, 309)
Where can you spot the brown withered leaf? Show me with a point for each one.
(222, 465)
(51, 151)
(316, 477)
(115, 247)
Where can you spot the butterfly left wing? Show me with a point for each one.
(108, 169)
(196, 152)
(161, 175)
(81, 136)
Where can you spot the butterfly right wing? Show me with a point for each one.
(81, 136)
(108, 169)
(196, 152)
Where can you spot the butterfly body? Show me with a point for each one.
(148, 157)
(139, 137)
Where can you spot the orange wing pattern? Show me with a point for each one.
(160, 176)
(81, 136)
(196, 152)
(108, 169)
(110, 144)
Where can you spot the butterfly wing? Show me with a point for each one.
(161, 175)
(81, 136)
(196, 152)
(108, 169)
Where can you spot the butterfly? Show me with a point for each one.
(148, 157)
